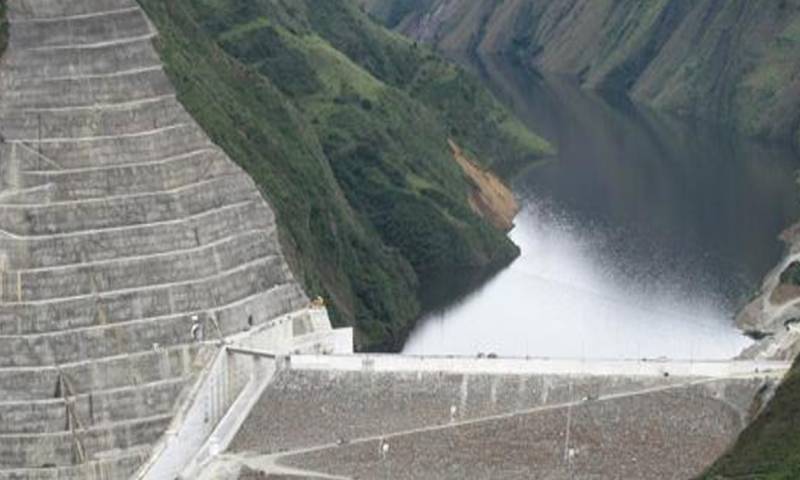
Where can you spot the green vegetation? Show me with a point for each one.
(769, 449)
(695, 58)
(344, 127)
(791, 275)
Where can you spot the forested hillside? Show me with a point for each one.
(732, 61)
(345, 126)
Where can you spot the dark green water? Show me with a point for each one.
(643, 238)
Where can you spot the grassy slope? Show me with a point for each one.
(769, 449)
(356, 167)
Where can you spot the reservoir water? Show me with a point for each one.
(642, 239)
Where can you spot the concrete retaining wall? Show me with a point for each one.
(538, 366)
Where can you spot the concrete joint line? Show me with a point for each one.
(77, 363)
(32, 150)
(121, 166)
(95, 76)
(135, 258)
(80, 16)
(81, 233)
(93, 428)
(101, 106)
(148, 288)
(96, 393)
(100, 138)
(137, 321)
(130, 196)
(90, 46)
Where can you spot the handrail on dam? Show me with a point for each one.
(545, 366)
(250, 351)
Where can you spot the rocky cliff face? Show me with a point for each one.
(734, 61)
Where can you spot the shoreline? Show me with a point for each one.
(775, 311)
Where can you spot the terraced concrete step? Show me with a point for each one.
(156, 147)
(101, 27)
(100, 342)
(140, 272)
(31, 126)
(103, 341)
(99, 408)
(60, 219)
(100, 61)
(150, 178)
(179, 296)
(58, 449)
(85, 92)
(97, 343)
(241, 291)
(190, 232)
(38, 193)
(24, 384)
(22, 10)
(116, 464)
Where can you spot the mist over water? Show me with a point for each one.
(642, 239)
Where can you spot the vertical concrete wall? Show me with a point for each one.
(223, 382)
(225, 394)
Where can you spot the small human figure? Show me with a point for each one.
(571, 453)
(383, 448)
(197, 329)
(453, 412)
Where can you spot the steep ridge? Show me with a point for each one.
(732, 61)
(120, 221)
(344, 125)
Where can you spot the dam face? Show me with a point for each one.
(126, 239)
(394, 417)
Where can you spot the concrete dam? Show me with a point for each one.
(150, 326)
